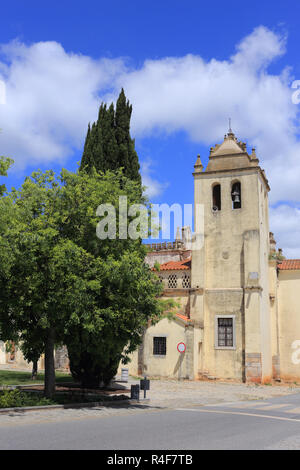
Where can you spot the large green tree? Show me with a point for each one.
(128, 296)
(108, 144)
(59, 283)
(30, 231)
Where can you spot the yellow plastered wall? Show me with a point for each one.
(168, 365)
(273, 300)
(289, 324)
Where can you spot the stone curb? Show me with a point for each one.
(75, 405)
(13, 387)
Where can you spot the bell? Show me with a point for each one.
(236, 196)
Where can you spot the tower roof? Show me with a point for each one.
(230, 154)
(228, 147)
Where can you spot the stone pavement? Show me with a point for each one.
(172, 393)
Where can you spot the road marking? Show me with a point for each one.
(241, 413)
(294, 410)
(239, 404)
(274, 407)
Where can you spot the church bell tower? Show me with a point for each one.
(230, 269)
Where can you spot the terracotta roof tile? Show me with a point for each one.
(176, 265)
(289, 264)
(183, 317)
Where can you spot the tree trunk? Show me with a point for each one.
(34, 370)
(49, 365)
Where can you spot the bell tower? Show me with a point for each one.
(230, 269)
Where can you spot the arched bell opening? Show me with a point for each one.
(236, 195)
(216, 197)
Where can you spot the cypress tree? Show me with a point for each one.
(127, 156)
(108, 145)
(85, 159)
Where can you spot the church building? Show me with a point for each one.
(238, 298)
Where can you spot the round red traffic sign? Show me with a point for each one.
(181, 347)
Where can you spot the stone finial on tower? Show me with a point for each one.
(253, 158)
(187, 237)
(272, 243)
(198, 165)
(230, 134)
(178, 234)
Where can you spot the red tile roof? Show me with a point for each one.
(183, 317)
(176, 265)
(289, 264)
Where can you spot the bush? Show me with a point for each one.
(16, 398)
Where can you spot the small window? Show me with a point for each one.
(225, 333)
(172, 281)
(159, 346)
(216, 198)
(236, 196)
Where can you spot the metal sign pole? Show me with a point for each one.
(181, 347)
(145, 385)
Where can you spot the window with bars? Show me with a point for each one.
(225, 338)
(186, 283)
(172, 281)
(159, 346)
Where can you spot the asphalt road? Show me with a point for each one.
(272, 424)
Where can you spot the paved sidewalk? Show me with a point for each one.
(163, 394)
(172, 393)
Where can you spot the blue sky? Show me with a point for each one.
(185, 66)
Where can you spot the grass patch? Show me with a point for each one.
(11, 377)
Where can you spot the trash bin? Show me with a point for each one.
(124, 375)
(135, 392)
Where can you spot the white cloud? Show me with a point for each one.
(285, 223)
(190, 94)
(259, 48)
(50, 98)
(51, 95)
(153, 187)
